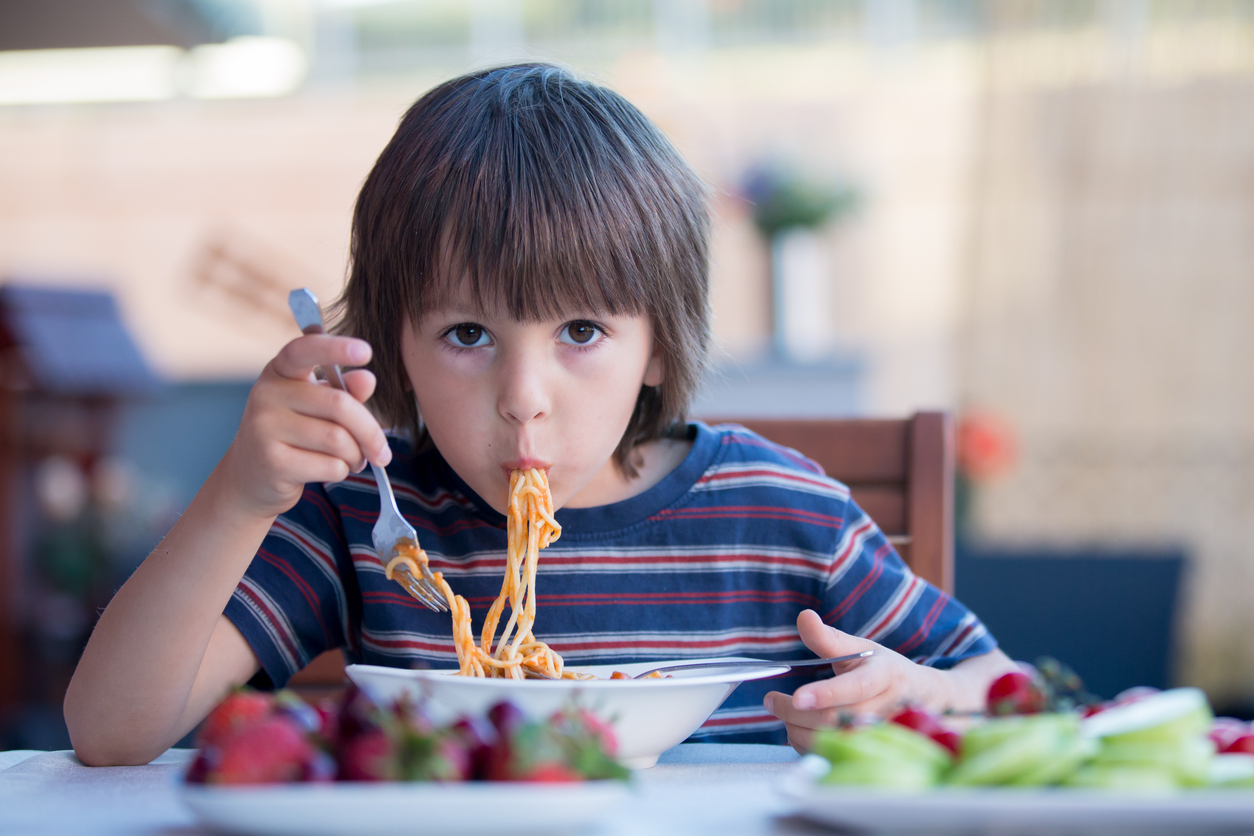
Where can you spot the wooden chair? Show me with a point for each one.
(901, 472)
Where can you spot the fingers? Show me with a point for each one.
(298, 359)
(313, 435)
(824, 704)
(360, 383)
(828, 641)
(342, 426)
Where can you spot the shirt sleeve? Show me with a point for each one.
(291, 604)
(870, 592)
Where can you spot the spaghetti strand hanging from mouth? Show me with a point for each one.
(530, 526)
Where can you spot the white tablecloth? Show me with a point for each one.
(722, 790)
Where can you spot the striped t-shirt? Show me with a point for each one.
(717, 559)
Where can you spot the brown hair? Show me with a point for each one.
(547, 193)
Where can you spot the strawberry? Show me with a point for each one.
(926, 723)
(582, 722)
(551, 773)
(951, 740)
(240, 708)
(357, 714)
(918, 719)
(1225, 731)
(476, 737)
(1243, 745)
(368, 756)
(1015, 693)
(268, 751)
(205, 762)
(506, 718)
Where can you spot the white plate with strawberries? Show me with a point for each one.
(457, 809)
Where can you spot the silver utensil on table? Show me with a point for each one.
(731, 663)
(757, 663)
(391, 529)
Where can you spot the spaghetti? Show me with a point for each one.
(530, 527)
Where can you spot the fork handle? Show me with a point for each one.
(385, 487)
(308, 316)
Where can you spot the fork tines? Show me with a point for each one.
(422, 589)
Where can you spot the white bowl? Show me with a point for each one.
(649, 715)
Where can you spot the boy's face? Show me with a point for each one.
(498, 394)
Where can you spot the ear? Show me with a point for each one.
(655, 372)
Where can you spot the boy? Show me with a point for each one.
(528, 289)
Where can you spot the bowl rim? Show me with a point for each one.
(448, 675)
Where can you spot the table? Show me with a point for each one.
(696, 788)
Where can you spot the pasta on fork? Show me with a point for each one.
(530, 527)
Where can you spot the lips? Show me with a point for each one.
(525, 464)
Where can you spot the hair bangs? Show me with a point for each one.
(545, 211)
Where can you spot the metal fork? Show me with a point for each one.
(391, 529)
(729, 663)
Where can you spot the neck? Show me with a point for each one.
(653, 461)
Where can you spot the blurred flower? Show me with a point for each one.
(987, 446)
(783, 198)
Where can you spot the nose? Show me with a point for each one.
(524, 395)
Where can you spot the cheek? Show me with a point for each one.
(605, 387)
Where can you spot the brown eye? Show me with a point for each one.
(580, 333)
(467, 335)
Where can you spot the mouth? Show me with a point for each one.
(525, 464)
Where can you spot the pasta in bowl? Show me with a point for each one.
(649, 716)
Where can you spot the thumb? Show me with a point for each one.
(827, 641)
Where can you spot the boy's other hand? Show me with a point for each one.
(876, 685)
(297, 429)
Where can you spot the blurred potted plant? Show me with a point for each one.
(788, 209)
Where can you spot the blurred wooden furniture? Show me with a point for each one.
(67, 362)
(900, 471)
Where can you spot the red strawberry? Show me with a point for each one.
(476, 737)
(951, 740)
(268, 751)
(1243, 745)
(506, 717)
(599, 729)
(328, 720)
(1225, 731)
(498, 761)
(926, 723)
(551, 773)
(915, 718)
(239, 709)
(1015, 693)
(203, 765)
(369, 756)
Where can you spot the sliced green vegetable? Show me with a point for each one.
(1066, 759)
(1232, 771)
(1132, 778)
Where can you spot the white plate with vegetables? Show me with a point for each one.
(1148, 765)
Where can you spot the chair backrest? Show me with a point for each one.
(901, 472)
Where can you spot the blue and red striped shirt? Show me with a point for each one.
(717, 559)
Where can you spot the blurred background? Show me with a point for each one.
(1038, 214)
